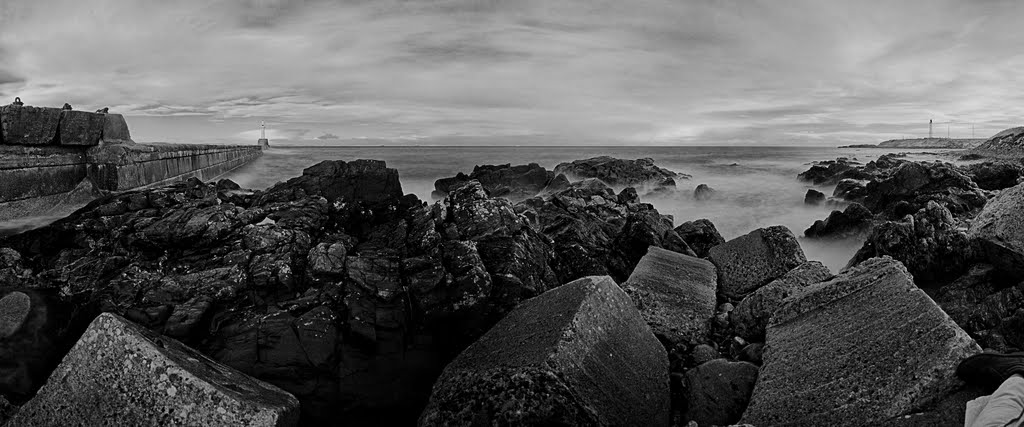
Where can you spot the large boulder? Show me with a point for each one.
(999, 231)
(621, 173)
(755, 259)
(511, 182)
(580, 354)
(120, 373)
(750, 317)
(861, 348)
(358, 180)
(928, 243)
(700, 235)
(596, 232)
(22, 125)
(675, 294)
(917, 183)
(814, 197)
(717, 392)
(81, 128)
(995, 175)
(854, 221)
(830, 172)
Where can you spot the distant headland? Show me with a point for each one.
(951, 143)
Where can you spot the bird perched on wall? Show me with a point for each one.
(103, 110)
(66, 107)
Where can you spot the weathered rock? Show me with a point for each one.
(580, 354)
(751, 316)
(861, 348)
(620, 172)
(595, 232)
(115, 129)
(511, 182)
(830, 172)
(995, 175)
(675, 293)
(853, 221)
(81, 128)
(700, 235)
(928, 243)
(999, 231)
(755, 259)
(717, 392)
(814, 197)
(983, 303)
(851, 190)
(120, 373)
(359, 180)
(702, 353)
(703, 192)
(918, 183)
(29, 125)
(1008, 143)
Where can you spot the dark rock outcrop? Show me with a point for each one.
(675, 293)
(814, 197)
(833, 349)
(928, 243)
(995, 175)
(851, 190)
(1008, 143)
(511, 182)
(999, 231)
(853, 221)
(331, 286)
(717, 392)
(621, 173)
(753, 260)
(120, 373)
(985, 304)
(580, 354)
(598, 233)
(918, 183)
(750, 317)
(829, 172)
(701, 235)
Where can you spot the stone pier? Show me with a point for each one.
(51, 157)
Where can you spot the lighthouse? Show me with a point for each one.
(263, 142)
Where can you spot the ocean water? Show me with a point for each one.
(755, 186)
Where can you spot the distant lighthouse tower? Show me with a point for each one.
(263, 142)
(929, 128)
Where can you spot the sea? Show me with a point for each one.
(754, 186)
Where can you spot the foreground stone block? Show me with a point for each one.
(750, 318)
(999, 231)
(81, 128)
(29, 125)
(861, 348)
(579, 354)
(752, 260)
(675, 294)
(122, 374)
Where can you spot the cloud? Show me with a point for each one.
(582, 71)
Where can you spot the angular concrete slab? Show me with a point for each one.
(81, 128)
(29, 125)
(115, 129)
(122, 374)
(750, 318)
(999, 230)
(858, 349)
(675, 293)
(752, 260)
(579, 354)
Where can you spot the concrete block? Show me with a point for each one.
(999, 231)
(750, 318)
(80, 128)
(115, 129)
(863, 347)
(675, 293)
(755, 259)
(579, 354)
(122, 374)
(29, 125)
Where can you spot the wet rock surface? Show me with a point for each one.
(700, 235)
(753, 260)
(814, 197)
(580, 354)
(995, 175)
(512, 182)
(854, 221)
(833, 349)
(120, 373)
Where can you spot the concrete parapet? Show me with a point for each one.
(122, 166)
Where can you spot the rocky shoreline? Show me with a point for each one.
(521, 296)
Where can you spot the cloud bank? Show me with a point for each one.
(536, 71)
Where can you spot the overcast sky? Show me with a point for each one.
(776, 72)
